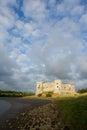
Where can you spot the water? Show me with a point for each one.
(4, 106)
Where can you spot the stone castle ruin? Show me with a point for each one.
(57, 87)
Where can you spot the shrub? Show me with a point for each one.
(39, 95)
(84, 90)
(49, 94)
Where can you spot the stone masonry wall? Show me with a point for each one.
(55, 87)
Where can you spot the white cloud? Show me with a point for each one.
(7, 15)
(83, 21)
(7, 67)
(8, 2)
(44, 41)
(34, 9)
(78, 10)
(3, 34)
(61, 52)
(71, 8)
(82, 68)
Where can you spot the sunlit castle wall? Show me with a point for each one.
(39, 88)
(57, 86)
(48, 87)
(67, 89)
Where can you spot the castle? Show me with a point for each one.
(57, 87)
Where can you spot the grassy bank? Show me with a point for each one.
(15, 94)
(73, 112)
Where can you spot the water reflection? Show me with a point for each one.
(4, 106)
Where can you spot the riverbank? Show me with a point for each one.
(62, 113)
(19, 105)
(42, 118)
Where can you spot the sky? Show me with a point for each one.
(42, 40)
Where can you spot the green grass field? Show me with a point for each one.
(73, 112)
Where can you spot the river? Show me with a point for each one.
(4, 106)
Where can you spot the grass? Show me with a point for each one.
(73, 112)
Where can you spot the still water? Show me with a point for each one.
(4, 106)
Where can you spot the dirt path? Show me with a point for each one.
(19, 105)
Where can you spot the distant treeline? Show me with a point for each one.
(15, 94)
(84, 90)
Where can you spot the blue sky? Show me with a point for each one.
(42, 40)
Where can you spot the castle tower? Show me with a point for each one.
(73, 89)
(39, 88)
(57, 86)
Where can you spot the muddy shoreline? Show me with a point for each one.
(19, 105)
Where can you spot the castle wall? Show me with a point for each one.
(39, 88)
(48, 87)
(55, 87)
(67, 89)
(58, 85)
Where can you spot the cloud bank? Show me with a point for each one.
(42, 41)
